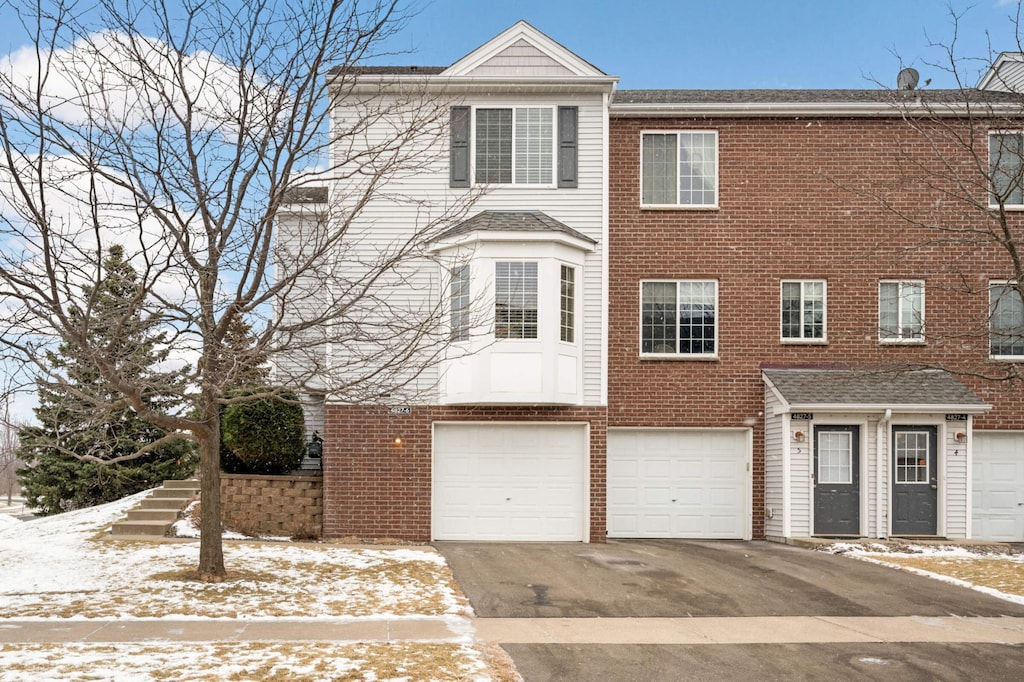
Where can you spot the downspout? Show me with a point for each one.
(881, 457)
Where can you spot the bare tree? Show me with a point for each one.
(954, 193)
(9, 462)
(200, 137)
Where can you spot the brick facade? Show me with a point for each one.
(795, 202)
(288, 506)
(376, 489)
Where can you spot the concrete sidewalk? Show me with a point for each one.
(704, 630)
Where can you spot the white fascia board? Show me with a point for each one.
(777, 109)
(522, 31)
(406, 83)
(497, 237)
(993, 80)
(859, 408)
(784, 406)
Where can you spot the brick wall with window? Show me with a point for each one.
(792, 203)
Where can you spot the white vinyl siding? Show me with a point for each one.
(774, 470)
(389, 219)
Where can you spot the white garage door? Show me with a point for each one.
(672, 483)
(509, 482)
(998, 495)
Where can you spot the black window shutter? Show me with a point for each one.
(459, 152)
(568, 147)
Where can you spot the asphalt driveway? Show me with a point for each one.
(673, 579)
(678, 578)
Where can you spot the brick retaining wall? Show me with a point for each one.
(291, 506)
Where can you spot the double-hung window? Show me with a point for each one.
(679, 318)
(1006, 169)
(514, 146)
(567, 304)
(1006, 320)
(803, 311)
(458, 300)
(679, 169)
(901, 311)
(515, 300)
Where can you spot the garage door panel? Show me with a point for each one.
(684, 483)
(998, 487)
(509, 482)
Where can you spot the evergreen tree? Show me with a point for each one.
(80, 453)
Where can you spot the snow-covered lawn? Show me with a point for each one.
(67, 567)
(980, 568)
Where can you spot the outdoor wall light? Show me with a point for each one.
(799, 436)
(398, 441)
(961, 437)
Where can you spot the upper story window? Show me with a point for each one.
(901, 311)
(679, 169)
(529, 146)
(1005, 151)
(568, 304)
(515, 300)
(803, 310)
(679, 317)
(1006, 320)
(459, 303)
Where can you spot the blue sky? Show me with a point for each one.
(725, 43)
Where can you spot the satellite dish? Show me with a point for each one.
(907, 79)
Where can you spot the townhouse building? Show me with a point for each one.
(688, 314)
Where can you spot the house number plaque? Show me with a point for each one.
(804, 416)
(956, 417)
(403, 409)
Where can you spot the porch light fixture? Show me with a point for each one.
(398, 441)
(799, 436)
(961, 437)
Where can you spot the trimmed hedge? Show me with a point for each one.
(263, 436)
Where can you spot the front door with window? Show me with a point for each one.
(915, 480)
(837, 480)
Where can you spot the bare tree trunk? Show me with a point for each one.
(211, 549)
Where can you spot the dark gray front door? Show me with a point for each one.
(837, 480)
(915, 480)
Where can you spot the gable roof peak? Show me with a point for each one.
(516, 35)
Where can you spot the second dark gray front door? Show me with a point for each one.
(837, 480)
(915, 480)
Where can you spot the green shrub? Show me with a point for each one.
(264, 436)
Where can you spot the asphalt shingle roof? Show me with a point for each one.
(513, 221)
(871, 387)
(874, 96)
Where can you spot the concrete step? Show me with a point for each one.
(174, 493)
(188, 483)
(170, 515)
(152, 528)
(174, 503)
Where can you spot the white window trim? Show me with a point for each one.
(988, 162)
(676, 356)
(900, 340)
(849, 468)
(575, 304)
(988, 340)
(515, 185)
(538, 293)
(680, 207)
(802, 340)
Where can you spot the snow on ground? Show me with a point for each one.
(985, 568)
(68, 567)
(64, 567)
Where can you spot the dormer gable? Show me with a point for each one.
(522, 51)
(1005, 75)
